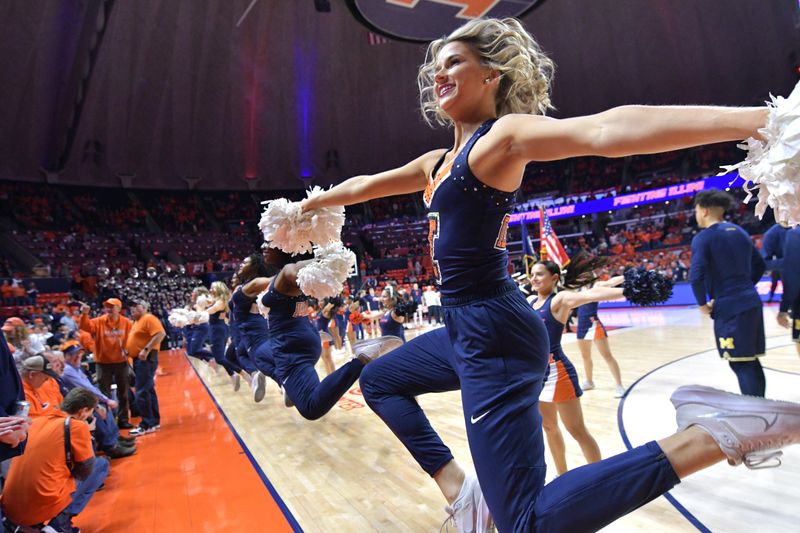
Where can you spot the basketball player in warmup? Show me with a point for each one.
(726, 266)
(253, 327)
(789, 315)
(772, 244)
(219, 294)
(296, 342)
(489, 80)
(591, 329)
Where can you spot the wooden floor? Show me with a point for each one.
(347, 472)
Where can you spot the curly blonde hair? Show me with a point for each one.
(503, 45)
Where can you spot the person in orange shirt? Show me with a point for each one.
(40, 386)
(143, 342)
(41, 486)
(110, 333)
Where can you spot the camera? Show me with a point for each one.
(406, 309)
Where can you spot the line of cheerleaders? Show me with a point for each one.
(489, 81)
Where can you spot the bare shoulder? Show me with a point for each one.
(428, 160)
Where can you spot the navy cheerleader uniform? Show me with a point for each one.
(254, 331)
(297, 349)
(197, 334)
(236, 352)
(390, 326)
(499, 356)
(560, 378)
(589, 325)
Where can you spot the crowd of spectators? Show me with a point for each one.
(51, 368)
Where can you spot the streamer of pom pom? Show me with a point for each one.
(324, 276)
(198, 317)
(178, 318)
(773, 165)
(646, 287)
(285, 226)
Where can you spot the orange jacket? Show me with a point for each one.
(109, 337)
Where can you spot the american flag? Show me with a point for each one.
(551, 248)
(374, 38)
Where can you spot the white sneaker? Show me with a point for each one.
(469, 512)
(259, 386)
(140, 430)
(587, 385)
(236, 381)
(748, 429)
(370, 349)
(619, 391)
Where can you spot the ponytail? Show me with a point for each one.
(579, 272)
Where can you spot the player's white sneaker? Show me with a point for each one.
(370, 349)
(587, 385)
(748, 429)
(469, 512)
(619, 391)
(259, 386)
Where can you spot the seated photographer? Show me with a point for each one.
(58, 473)
(106, 430)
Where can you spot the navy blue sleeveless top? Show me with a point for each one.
(468, 221)
(252, 327)
(588, 310)
(291, 330)
(390, 326)
(554, 328)
(214, 318)
(323, 323)
(234, 328)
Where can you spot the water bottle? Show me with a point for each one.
(114, 392)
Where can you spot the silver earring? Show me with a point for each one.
(487, 80)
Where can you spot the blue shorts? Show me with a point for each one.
(590, 327)
(740, 337)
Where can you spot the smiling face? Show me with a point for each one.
(462, 84)
(387, 300)
(542, 281)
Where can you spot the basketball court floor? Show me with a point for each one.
(347, 473)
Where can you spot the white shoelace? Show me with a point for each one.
(761, 460)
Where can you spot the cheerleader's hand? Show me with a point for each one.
(783, 320)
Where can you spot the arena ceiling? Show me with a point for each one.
(175, 89)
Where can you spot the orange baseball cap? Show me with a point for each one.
(113, 301)
(70, 347)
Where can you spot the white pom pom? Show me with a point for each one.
(262, 309)
(285, 226)
(323, 277)
(773, 165)
(202, 302)
(178, 318)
